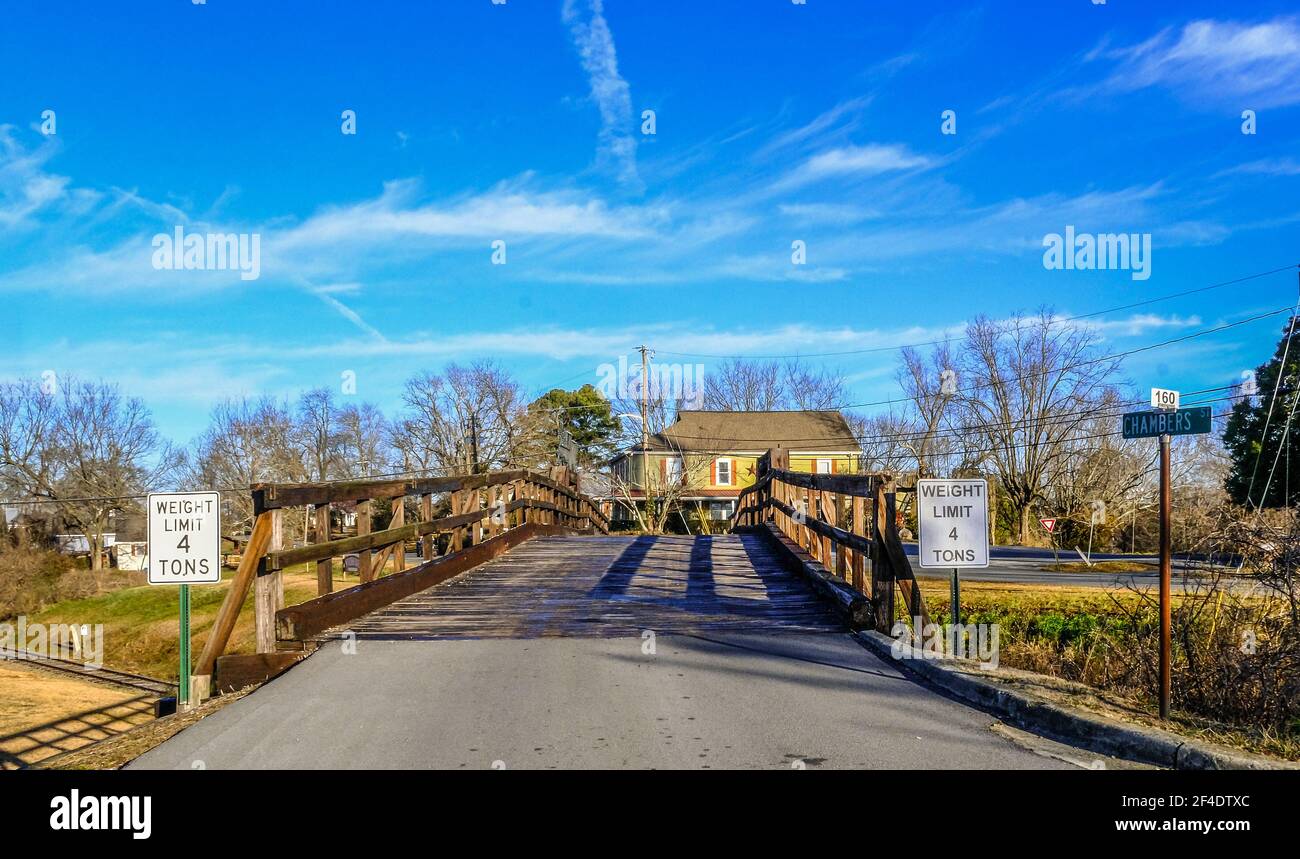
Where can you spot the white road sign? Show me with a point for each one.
(1164, 399)
(184, 538)
(954, 523)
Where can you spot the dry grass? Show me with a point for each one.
(43, 713)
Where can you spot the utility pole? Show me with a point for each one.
(645, 428)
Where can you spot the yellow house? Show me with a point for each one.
(709, 457)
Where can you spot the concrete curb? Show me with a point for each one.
(1094, 732)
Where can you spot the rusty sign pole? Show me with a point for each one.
(1166, 565)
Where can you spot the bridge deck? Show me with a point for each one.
(611, 586)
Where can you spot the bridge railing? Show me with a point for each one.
(847, 523)
(489, 513)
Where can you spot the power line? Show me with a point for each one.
(1061, 321)
(965, 429)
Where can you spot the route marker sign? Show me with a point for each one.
(184, 538)
(953, 520)
(1048, 524)
(1162, 398)
(1192, 421)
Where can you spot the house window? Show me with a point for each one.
(824, 466)
(719, 510)
(673, 470)
(722, 472)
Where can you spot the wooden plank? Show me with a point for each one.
(846, 484)
(240, 670)
(274, 495)
(278, 495)
(379, 539)
(299, 622)
(608, 586)
(219, 637)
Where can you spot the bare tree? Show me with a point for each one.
(467, 418)
(246, 441)
(931, 387)
(84, 448)
(1027, 387)
(315, 434)
(362, 433)
(752, 385)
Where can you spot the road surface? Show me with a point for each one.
(788, 700)
(1026, 565)
(605, 652)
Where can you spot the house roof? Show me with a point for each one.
(726, 431)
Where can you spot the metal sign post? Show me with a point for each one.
(1164, 425)
(1166, 569)
(952, 518)
(184, 549)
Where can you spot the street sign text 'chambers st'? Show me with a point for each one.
(953, 520)
(184, 538)
(1192, 421)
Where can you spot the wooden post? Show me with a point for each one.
(828, 516)
(859, 528)
(268, 597)
(426, 515)
(399, 519)
(325, 568)
(882, 582)
(219, 636)
(363, 528)
(457, 508)
(841, 554)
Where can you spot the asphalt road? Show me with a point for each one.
(761, 701)
(1026, 565)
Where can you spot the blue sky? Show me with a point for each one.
(522, 122)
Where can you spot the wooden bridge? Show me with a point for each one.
(807, 553)
(529, 636)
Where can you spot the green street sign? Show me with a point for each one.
(1194, 421)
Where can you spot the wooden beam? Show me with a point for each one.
(240, 670)
(219, 636)
(847, 484)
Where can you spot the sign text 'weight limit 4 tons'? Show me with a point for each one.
(184, 538)
(953, 520)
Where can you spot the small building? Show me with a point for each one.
(706, 458)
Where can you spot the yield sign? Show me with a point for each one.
(1048, 524)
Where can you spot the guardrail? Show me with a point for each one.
(847, 523)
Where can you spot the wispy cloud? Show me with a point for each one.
(1217, 61)
(869, 160)
(595, 43)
